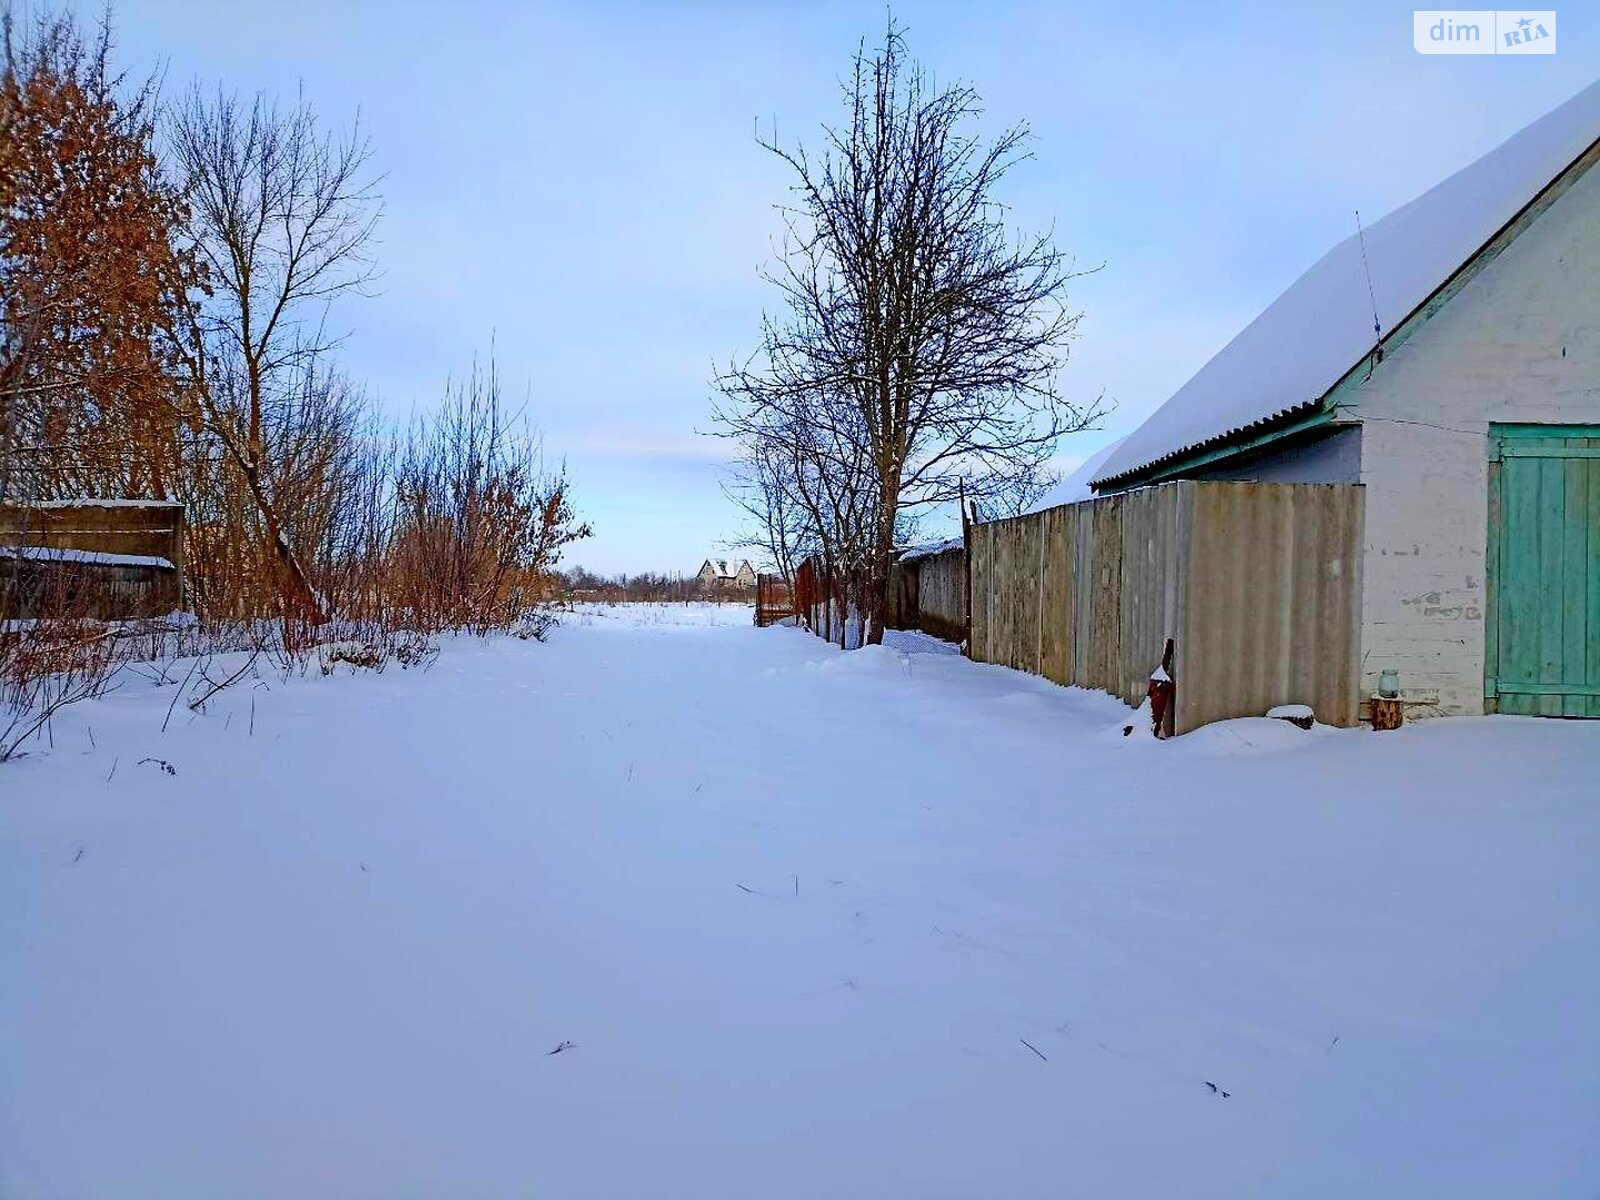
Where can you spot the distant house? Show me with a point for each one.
(724, 573)
(1471, 415)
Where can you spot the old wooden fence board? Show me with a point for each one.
(1258, 584)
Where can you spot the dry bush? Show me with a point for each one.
(480, 523)
(55, 658)
(162, 334)
(91, 272)
(452, 524)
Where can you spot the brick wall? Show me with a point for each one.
(1520, 342)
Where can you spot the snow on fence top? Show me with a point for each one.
(1311, 336)
(93, 558)
(929, 549)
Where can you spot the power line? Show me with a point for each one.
(1372, 295)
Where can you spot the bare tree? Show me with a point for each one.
(760, 487)
(281, 217)
(915, 326)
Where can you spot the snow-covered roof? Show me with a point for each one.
(724, 568)
(93, 558)
(95, 502)
(1075, 486)
(929, 549)
(1312, 335)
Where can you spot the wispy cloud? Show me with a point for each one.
(644, 444)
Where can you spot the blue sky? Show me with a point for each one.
(580, 183)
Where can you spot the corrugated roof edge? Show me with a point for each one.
(1282, 417)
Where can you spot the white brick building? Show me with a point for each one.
(1472, 418)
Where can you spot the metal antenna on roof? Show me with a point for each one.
(1372, 295)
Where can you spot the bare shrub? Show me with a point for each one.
(480, 523)
(55, 658)
(165, 283)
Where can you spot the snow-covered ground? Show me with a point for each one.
(808, 924)
(655, 616)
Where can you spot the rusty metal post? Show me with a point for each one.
(1162, 692)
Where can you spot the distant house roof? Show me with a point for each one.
(1310, 337)
(724, 568)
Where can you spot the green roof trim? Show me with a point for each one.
(1236, 446)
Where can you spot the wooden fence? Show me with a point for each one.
(928, 591)
(1258, 584)
(775, 600)
(108, 558)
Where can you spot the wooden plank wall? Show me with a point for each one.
(941, 594)
(929, 593)
(110, 527)
(1056, 594)
(1152, 531)
(980, 548)
(1259, 584)
(148, 528)
(902, 595)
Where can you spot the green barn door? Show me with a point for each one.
(1543, 632)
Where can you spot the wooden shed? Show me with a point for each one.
(109, 559)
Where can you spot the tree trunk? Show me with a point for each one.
(878, 583)
(299, 597)
(294, 587)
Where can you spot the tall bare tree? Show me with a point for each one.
(914, 324)
(282, 214)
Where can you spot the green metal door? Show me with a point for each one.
(1543, 628)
